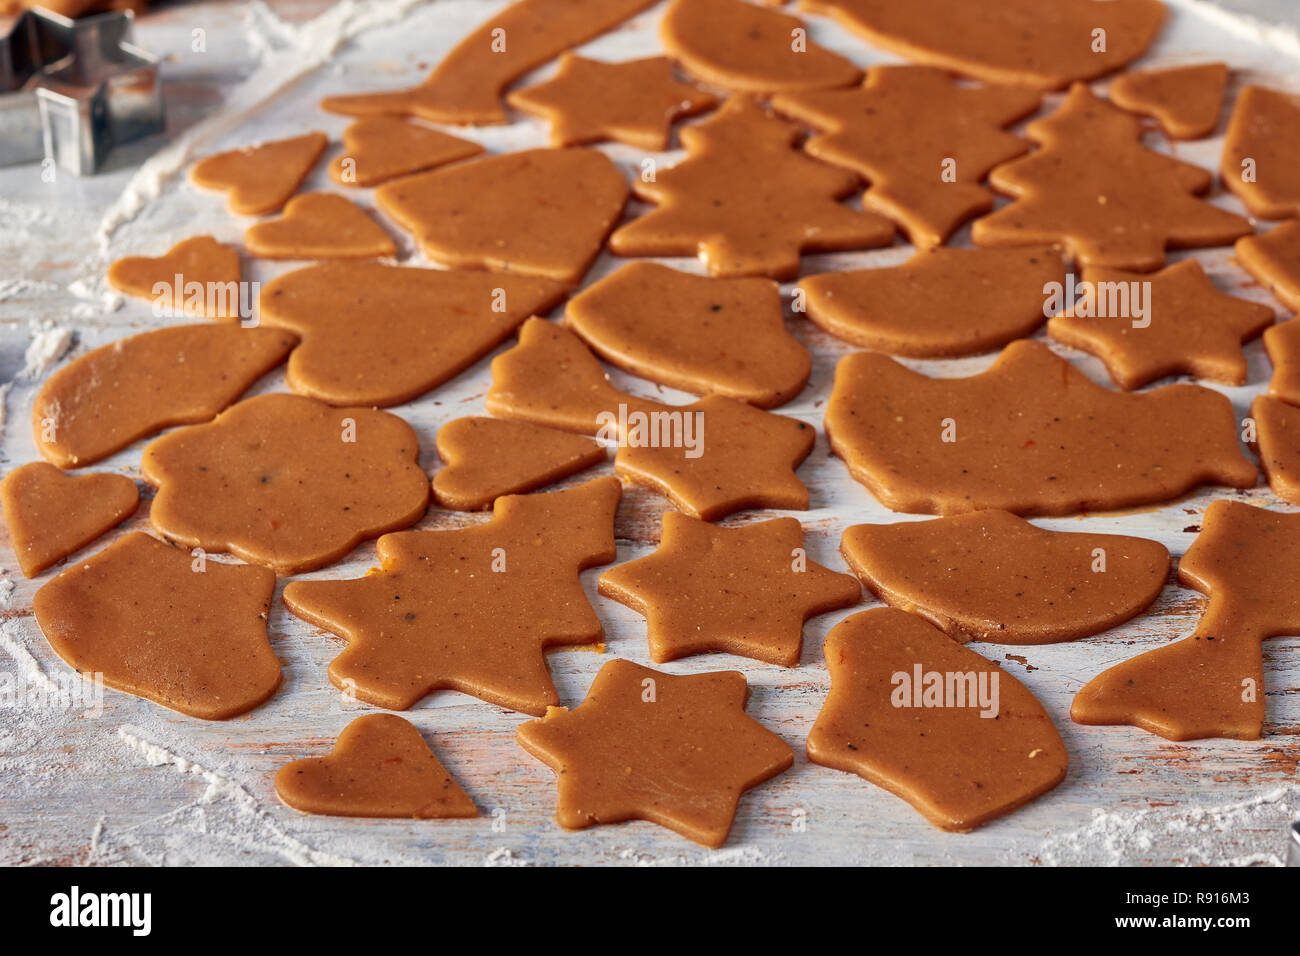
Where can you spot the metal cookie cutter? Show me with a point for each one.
(70, 90)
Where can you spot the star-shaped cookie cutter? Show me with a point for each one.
(71, 90)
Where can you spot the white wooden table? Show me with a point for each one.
(136, 783)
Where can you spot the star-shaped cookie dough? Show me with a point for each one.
(634, 102)
(644, 745)
(745, 590)
(1188, 326)
(471, 609)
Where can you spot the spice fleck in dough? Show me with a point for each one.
(542, 212)
(380, 148)
(1273, 258)
(50, 514)
(1185, 100)
(466, 85)
(923, 142)
(1032, 435)
(744, 47)
(1189, 326)
(471, 609)
(380, 767)
(200, 276)
(990, 576)
(940, 303)
(1263, 140)
(678, 751)
(181, 630)
(101, 402)
(320, 226)
(487, 458)
(635, 102)
(286, 481)
(1247, 561)
(1095, 188)
(701, 335)
(1005, 41)
(915, 713)
(261, 178)
(745, 591)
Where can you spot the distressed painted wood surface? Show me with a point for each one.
(134, 783)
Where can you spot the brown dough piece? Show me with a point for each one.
(380, 148)
(746, 590)
(1247, 560)
(488, 458)
(101, 402)
(1273, 258)
(721, 455)
(50, 514)
(744, 47)
(677, 751)
(956, 767)
(700, 335)
(1185, 100)
(635, 102)
(1264, 129)
(1193, 328)
(466, 85)
(923, 142)
(380, 767)
(182, 631)
(990, 576)
(376, 334)
(747, 202)
(1278, 445)
(320, 226)
(286, 481)
(260, 178)
(200, 260)
(1004, 41)
(471, 609)
(1031, 435)
(1282, 342)
(1095, 188)
(542, 212)
(940, 303)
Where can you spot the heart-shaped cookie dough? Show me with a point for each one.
(261, 178)
(320, 226)
(380, 148)
(198, 277)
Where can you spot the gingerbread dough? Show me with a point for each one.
(472, 609)
(1273, 258)
(744, 47)
(466, 85)
(201, 262)
(747, 202)
(913, 712)
(1278, 445)
(939, 303)
(1185, 100)
(183, 631)
(50, 514)
(990, 576)
(286, 481)
(635, 102)
(1247, 560)
(261, 178)
(1031, 435)
(488, 458)
(101, 402)
(1095, 188)
(1190, 327)
(375, 334)
(707, 336)
(745, 591)
(1282, 342)
(923, 142)
(677, 751)
(542, 212)
(320, 226)
(380, 148)
(380, 767)
(1259, 152)
(1005, 41)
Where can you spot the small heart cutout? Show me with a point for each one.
(169, 280)
(260, 179)
(320, 226)
(380, 148)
